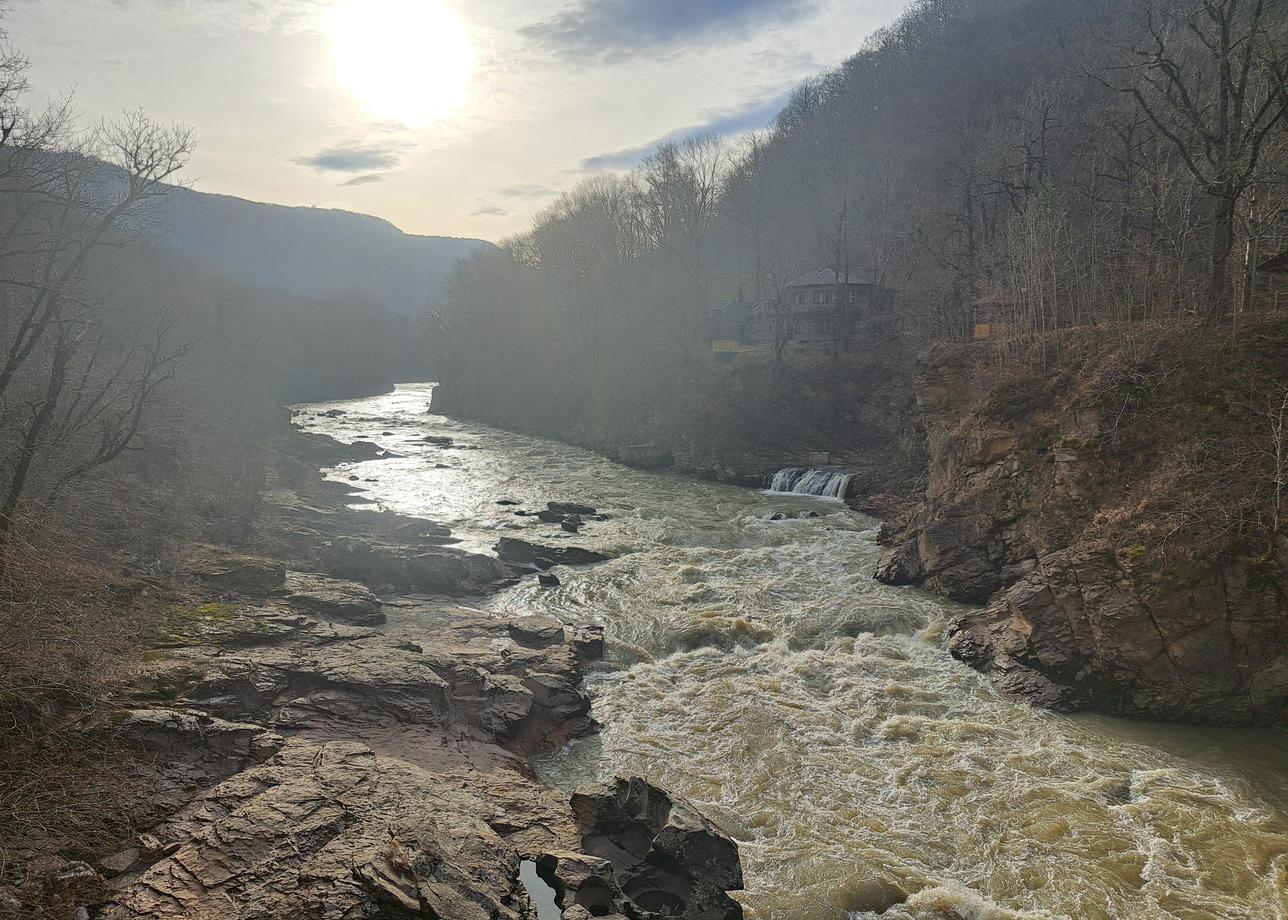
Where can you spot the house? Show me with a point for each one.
(818, 307)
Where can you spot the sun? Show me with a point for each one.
(410, 60)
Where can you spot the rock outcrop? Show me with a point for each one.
(310, 749)
(1038, 507)
(646, 854)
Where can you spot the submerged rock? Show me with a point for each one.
(642, 456)
(570, 508)
(521, 552)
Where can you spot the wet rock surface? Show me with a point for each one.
(647, 854)
(535, 555)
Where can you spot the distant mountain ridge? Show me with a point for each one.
(314, 252)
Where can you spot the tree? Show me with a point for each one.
(75, 374)
(1213, 81)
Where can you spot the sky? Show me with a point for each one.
(446, 117)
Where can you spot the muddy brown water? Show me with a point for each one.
(755, 666)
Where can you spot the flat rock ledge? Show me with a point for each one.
(314, 751)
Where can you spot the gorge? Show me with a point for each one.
(755, 666)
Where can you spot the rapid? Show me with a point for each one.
(755, 666)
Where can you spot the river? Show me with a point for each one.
(755, 666)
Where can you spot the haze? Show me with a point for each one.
(450, 118)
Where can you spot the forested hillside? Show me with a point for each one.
(312, 252)
(1045, 163)
(1052, 191)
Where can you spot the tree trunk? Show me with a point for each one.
(1218, 293)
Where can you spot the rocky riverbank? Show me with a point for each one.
(1113, 514)
(324, 729)
(1111, 501)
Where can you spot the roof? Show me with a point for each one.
(735, 304)
(1278, 264)
(827, 276)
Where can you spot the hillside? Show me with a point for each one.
(313, 252)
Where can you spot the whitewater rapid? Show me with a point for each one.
(755, 666)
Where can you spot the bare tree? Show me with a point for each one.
(68, 364)
(1213, 81)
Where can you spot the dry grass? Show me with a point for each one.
(1185, 460)
(69, 633)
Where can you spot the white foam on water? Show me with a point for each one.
(756, 667)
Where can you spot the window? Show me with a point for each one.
(819, 297)
(854, 295)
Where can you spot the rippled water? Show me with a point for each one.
(755, 666)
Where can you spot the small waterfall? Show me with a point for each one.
(799, 480)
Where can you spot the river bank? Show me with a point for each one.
(324, 726)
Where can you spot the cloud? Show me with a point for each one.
(720, 122)
(351, 159)
(490, 210)
(614, 30)
(232, 15)
(526, 191)
(364, 180)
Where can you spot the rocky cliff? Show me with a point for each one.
(1112, 504)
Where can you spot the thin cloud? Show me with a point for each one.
(490, 210)
(351, 159)
(526, 191)
(722, 123)
(229, 15)
(364, 180)
(610, 30)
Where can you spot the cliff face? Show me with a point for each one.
(1115, 513)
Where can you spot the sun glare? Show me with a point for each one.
(405, 59)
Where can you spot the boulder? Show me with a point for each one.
(667, 859)
(569, 508)
(581, 883)
(232, 571)
(534, 555)
(411, 568)
(333, 599)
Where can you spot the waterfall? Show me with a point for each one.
(825, 483)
